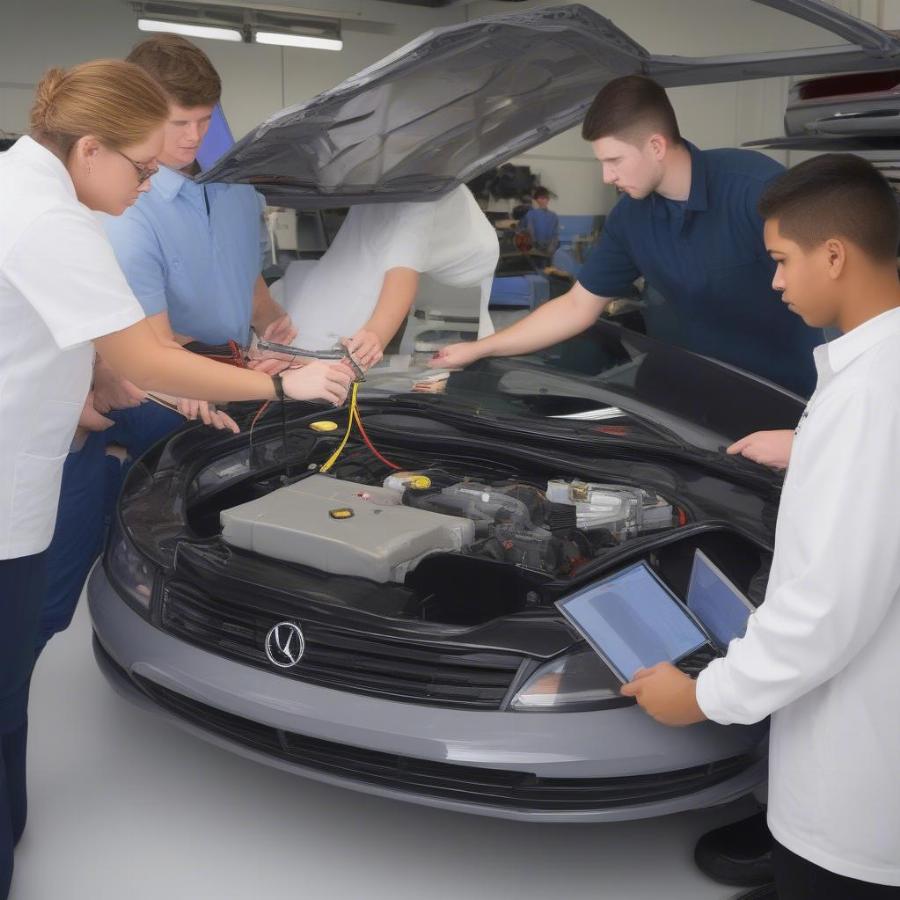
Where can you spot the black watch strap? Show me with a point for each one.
(279, 386)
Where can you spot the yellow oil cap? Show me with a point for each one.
(419, 482)
(323, 425)
(342, 513)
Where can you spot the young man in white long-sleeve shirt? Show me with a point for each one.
(822, 653)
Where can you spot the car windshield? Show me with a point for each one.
(607, 381)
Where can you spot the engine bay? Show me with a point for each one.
(447, 531)
(383, 528)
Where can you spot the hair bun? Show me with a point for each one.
(44, 95)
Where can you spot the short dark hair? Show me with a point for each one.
(835, 195)
(627, 106)
(180, 68)
(540, 193)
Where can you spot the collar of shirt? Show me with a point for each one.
(38, 154)
(698, 198)
(831, 358)
(169, 183)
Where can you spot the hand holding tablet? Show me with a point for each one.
(633, 621)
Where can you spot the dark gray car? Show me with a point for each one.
(420, 656)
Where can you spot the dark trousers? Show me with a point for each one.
(22, 587)
(90, 486)
(797, 878)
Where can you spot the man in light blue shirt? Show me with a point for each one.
(194, 253)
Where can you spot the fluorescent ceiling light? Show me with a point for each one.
(197, 31)
(282, 39)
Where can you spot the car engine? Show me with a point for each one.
(382, 532)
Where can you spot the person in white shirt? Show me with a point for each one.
(820, 655)
(96, 131)
(363, 287)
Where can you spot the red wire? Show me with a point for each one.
(371, 446)
(359, 425)
(259, 412)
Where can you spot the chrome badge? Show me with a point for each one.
(285, 645)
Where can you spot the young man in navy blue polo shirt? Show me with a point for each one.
(687, 222)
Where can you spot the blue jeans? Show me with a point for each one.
(22, 588)
(90, 487)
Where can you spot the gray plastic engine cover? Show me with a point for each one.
(383, 540)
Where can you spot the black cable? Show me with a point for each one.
(284, 439)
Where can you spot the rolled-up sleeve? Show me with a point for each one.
(79, 293)
(841, 532)
(610, 270)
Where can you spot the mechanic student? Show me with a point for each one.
(689, 224)
(96, 132)
(820, 654)
(193, 253)
(373, 266)
(542, 224)
(192, 256)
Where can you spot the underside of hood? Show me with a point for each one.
(459, 100)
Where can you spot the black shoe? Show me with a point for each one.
(766, 892)
(739, 854)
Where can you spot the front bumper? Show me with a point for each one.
(609, 765)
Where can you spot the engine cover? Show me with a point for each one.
(343, 528)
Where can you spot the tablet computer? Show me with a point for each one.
(720, 607)
(633, 621)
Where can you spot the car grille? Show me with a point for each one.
(343, 659)
(496, 788)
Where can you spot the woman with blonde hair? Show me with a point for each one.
(95, 133)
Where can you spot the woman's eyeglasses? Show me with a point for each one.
(143, 172)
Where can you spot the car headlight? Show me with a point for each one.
(130, 573)
(576, 681)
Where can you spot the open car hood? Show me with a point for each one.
(459, 100)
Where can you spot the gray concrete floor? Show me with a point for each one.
(124, 805)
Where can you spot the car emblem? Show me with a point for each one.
(285, 645)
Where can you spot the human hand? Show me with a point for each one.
(271, 364)
(366, 348)
(666, 694)
(456, 356)
(318, 380)
(432, 384)
(280, 331)
(90, 419)
(110, 391)
(202, 409)
(768, 448)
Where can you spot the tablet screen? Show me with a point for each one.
(716, 602)
(633, 621)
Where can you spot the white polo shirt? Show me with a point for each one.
(450, 239)
(822, 654)
(60, 287)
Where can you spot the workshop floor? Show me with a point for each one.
(124, 805)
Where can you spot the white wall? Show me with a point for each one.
(257, 80)
(35, 34)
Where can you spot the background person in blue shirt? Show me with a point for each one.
(542, 224)
(688, 222)
(192, 255)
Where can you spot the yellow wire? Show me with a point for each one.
(334, 456)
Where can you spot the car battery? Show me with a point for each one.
(343, 528)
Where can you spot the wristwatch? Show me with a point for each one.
(279, 386)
